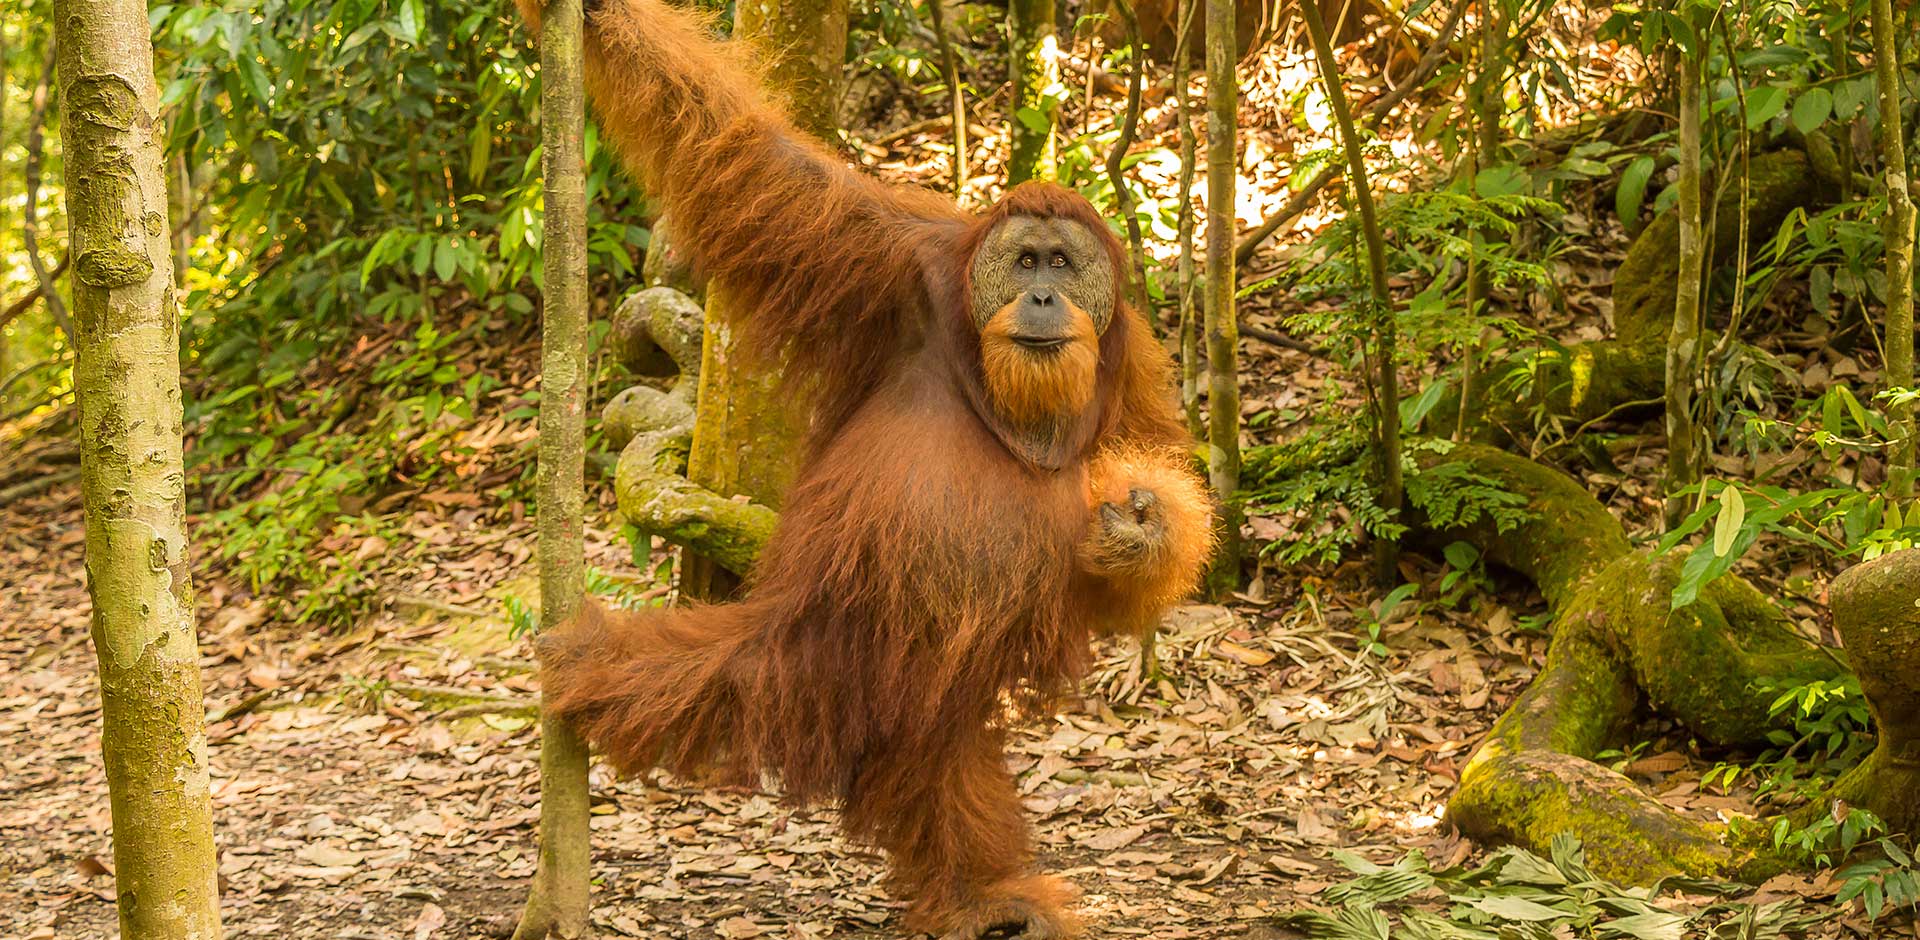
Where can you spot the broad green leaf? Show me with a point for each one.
(1811, 109)
(446, 259)
(1763, 103)
(1503, 180)
(1521, 909)
(1726, 526)
(1633, 190)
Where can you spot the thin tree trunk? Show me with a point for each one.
(956, 99)
(1189, 330)
(1483, 141)
(559, 899)
(1033, 69)
(1386, 340)
(1223, 330)
(127, 379)
(1684, 340)
(1900, 235)
(1116, 177)
(30, 224)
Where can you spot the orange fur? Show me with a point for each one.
(930, 566)
(1144, 578)
(1031, 387)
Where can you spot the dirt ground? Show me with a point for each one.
(359, 794)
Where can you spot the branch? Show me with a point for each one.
(1129, 127)
(33, 296)
(956, 100)
(30, 227)
(1375, 113)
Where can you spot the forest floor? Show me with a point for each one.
(1194, 807)
(352, 804)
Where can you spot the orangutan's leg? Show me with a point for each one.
(954, 829)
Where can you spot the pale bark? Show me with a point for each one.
(559, 898)
(1223, 330)
(1033, 69)
(1384, 356)
(1683, 340)
(1900, 233)
(127, 380)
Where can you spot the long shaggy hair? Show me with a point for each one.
(930, 580)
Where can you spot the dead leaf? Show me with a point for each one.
(431, 918)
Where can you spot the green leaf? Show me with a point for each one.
(1810, 110)
(1503, 180)
(446, 259)
(1633, 190)
(1763, 103)
(411, 17)
(1726, 526)
(1655, 925)
(258, 84)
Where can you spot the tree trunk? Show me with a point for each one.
(749, 425)
(1189, 330)
(1899, 230)
(1116, 174)
(559, 899)
(30, 225)
(956, 98)
(1386, 341)
(1684, 337)
(127, 378)
(1033, 70)
(1223, 330)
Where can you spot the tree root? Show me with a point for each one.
(1617, 645)
(654, 430)
(1581, 383)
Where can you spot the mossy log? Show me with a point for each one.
(1584, 382)
(654, 429)
(1618, 645)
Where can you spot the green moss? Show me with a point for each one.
(1645, 284)
(1529, 797)
(1569, 536)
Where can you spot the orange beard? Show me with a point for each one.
(1033, 387)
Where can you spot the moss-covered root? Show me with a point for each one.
(1586, 381)
(1527, 798)
(656, 332)
(1876, 607)
(1569, 536)
(1643, 287)
(656, 496)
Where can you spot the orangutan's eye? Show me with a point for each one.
(1059, 260)
(1027, 260)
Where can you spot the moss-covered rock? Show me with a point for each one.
(1876, 607)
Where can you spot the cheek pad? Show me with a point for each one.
(1093, 291)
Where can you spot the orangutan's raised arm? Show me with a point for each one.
(804, 243)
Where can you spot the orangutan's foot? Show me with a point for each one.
(1034, 907)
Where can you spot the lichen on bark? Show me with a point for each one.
(127, 383)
